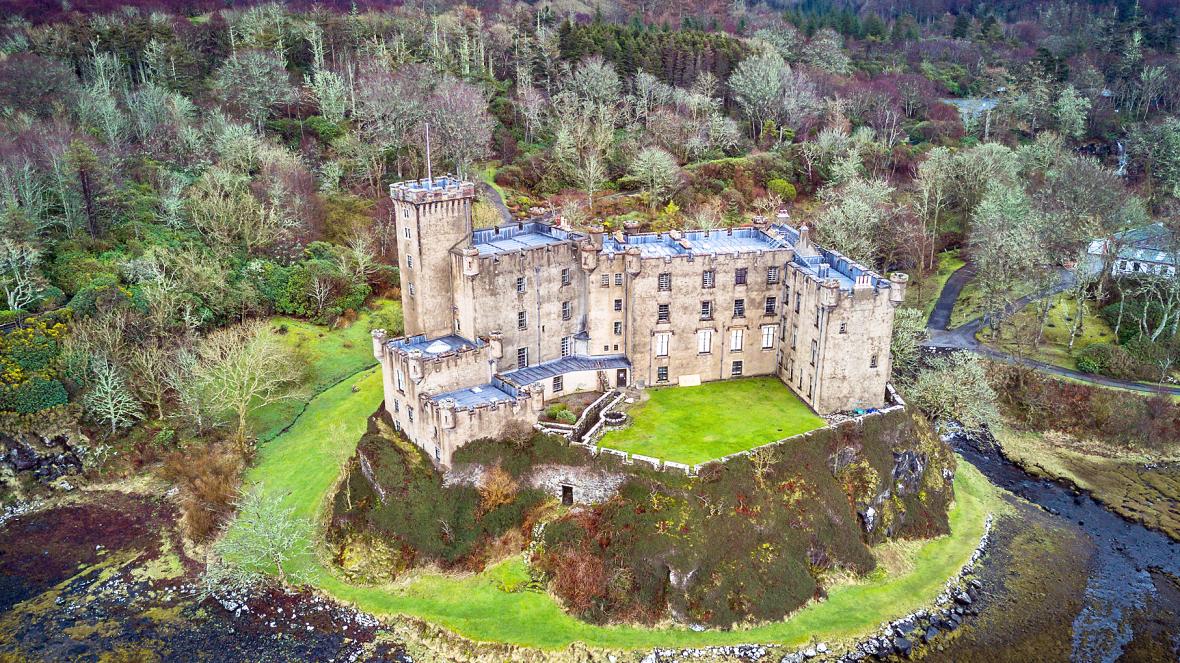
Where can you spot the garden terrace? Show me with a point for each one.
(692, 425)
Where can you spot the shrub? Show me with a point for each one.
(566, 417)
(208, 478)
(497, 489)
(782, 188)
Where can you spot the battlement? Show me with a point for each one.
(444, 187)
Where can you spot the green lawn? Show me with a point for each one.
(300, 466)
(697, 424)
(1018, 330)
(331, 355)
(923, 291)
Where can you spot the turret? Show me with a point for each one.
(378, 344)
(633, 261)
(897, 287)
(496, 344)
(471, 261)
(804, 237)
(446, 408)
(829, 293)
(597, 233)
(537, 397)
(589, 257)
(415, 362)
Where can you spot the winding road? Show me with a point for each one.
(963, 337)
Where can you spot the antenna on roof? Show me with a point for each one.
(429, 177)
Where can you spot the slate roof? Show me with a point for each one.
(696, 242)
(472, 397)
(518, 237)
(1151, 243)
(432, 347)
(572, 364)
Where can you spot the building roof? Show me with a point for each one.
(472, 397)
(1152, 243)
(572, 364)
(695, 242)
(519, 237)
(432, 347)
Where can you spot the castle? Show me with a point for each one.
(501, 320)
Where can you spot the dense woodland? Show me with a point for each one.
(175, 174)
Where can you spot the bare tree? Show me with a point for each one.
(242, 368)
(18, 273)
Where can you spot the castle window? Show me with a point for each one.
(736, 369)
(559, 383)
(567, 345)
(737, 338)
(411, 289)
(400, 380)
(618, 305)
(606, 280)
(665, 282)
(707, 278)
(798, 300)
(397, 405)
(661, 344)
(437, 454)
(771, 305)
(739, 308)
(409, 262)
(522, 357)
(873, 361)
(707, 310)
(739, 276)
(520, 284)
(618, 328)
(522, 320)
(410, 413)
(768, 336)
(661, 374)
(772, 274)
(565, 276)
(705, 341)
(814, 352)
(817, 310)
(618, 279)
(407, 229)
(794, 337)
(566, 311)
(664, 313)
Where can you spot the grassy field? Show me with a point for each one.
(697, 424)
(1054, 347)
(1125, 479)
(300, 466)
(923, 291)
(331, 355)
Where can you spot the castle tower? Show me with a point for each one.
(433, 217)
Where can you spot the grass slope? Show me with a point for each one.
(300, 467)
(697, 424)
(1016, 334)
(331, 355)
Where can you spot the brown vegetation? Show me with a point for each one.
(208, 478)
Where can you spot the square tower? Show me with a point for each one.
(433, 217)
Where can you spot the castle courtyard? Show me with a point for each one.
(693, 425)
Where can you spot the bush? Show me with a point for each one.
(782, 188)
(566, 417)
(208, 478)
(1095, 358)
